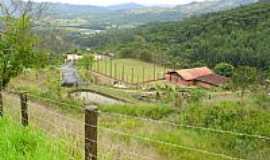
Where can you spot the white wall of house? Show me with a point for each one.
(73, 57)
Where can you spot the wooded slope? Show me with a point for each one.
(239, 36)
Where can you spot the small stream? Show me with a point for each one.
(89, 98)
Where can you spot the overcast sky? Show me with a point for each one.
(112, 2)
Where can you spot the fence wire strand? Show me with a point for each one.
(170, 144)
(257, 136)
(79, 138)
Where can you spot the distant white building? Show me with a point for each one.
(73, 57)
(99, 57)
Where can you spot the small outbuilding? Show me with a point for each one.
(202, 77)
(72, 57)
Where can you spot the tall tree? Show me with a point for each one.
(17, 41)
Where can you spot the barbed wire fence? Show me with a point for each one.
(90, 138)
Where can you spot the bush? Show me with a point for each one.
(86, 62)
(232, 116)
(229, 116)
(224, 69)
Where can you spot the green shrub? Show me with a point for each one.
(229, 116)
(86, 62)
(232, 116)
(224, 69)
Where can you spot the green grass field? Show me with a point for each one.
(130, 70)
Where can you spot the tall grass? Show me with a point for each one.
(153, 111)
(18, 143)
(238, 117)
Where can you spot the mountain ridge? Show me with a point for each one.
(139, 14)
(124, 6)
(131, 14)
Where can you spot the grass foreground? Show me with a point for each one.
(19, 143)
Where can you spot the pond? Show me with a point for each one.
(94, 98)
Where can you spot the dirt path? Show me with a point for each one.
(60, 125)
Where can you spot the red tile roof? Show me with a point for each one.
(213, 79)
(192, 74)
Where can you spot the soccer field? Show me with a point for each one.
(130, 70)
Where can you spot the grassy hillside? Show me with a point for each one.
(220, 111)
(239, 36)
(249, 118)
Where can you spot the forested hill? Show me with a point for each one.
(239, 36)
(133, 14)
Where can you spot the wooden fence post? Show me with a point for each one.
(111, 63)
(24, 109)
(1, 104)
(106, 67)
(123, 73)
(132, 75)
(115, 71)
(98, 66)
(143, 76)
(91, 120)
(154, 71)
